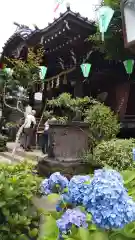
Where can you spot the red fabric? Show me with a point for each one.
(1, 65)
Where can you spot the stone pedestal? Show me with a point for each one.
(67, 143)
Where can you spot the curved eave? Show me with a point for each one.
(11, 45)
(75, 17)
(57, 24)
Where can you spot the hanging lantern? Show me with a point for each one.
(9, 71)
(105, 15)
(85, 67)
(129, 65)
(42, 72)
(128, 20)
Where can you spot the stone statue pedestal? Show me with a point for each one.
(67, 143)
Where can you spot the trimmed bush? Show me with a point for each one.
(18, 219)
(103, 123)
(116, 153)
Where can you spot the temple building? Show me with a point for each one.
(66, 46)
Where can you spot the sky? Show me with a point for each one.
(38, 12)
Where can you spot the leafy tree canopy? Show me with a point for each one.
(114, 35)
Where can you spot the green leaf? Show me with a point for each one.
(23, 237)
(50, 228)
(84, 234)
(69, 239)
(33, 232)
(87, 182)
(92, 227)
(2, 204)
(88, 217)
(65, 190)
(53, 197)
(99, 236)
(129, 230)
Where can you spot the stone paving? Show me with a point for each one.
(20, 154)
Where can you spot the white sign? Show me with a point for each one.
(38, 96)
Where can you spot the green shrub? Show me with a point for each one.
(3, 143)
(103, 123)
(116, 153)
(70, 108)
(17, 187)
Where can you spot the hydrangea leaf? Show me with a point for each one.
(53, 197)
(92, 227)
(117, 236)
(99, 236)
(129, 230)
(84, 234)
(87, 182)
(69, 239)
(33, 232)
(88, 217)
(65, 190)
(51, 229)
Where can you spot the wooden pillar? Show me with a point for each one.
(122, 94)
(78, 89)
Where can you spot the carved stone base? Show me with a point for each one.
(47, 166)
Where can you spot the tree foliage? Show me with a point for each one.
(113, 35)
(27, 72)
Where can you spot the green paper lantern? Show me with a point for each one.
(85, 67)
(42, 72)
(9, 71)
(105, 15)
(129, 64)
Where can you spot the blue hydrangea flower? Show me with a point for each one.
(70, 217)
(45, 188)
(107, 200)
(56, 183)
(58, 207)
(58, 180)
(64, 202)
(78, 187)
